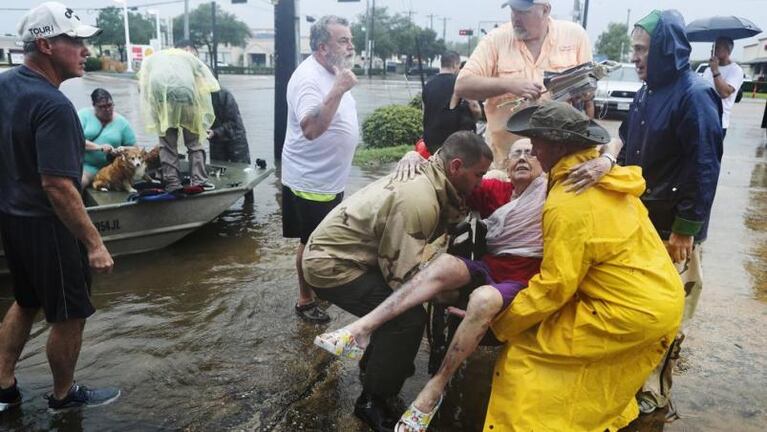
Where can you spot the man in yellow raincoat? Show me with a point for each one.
(587, 331)
(175, 91)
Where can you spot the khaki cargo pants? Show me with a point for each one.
(656, 391)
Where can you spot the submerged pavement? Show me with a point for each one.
(202, 335)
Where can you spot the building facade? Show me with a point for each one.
(755, 58)
(11, 50)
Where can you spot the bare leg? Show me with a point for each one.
(13, 336)
(446, 273)
(63, 349)
(484, 304)
(305, 293)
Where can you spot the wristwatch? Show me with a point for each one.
(717, 74)
(611, 158)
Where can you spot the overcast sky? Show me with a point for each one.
(460, 13)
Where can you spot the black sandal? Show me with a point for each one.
(312, 312)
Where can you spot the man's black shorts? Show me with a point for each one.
(301, 216)
(49, 267)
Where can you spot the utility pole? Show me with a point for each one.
(628, 19)
(286, 60)
(585, 14)
(410, 15)
(214, 42)
(468, 33)
(156, 14)
(372, 38)
(576, 11)
(169, 37)
(367, 35)
(431, 21)
(128, 46)
(444, 28)
(157, 23)
(186, 19)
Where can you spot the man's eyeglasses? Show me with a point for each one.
(517, 154)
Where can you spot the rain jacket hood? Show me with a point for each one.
(627, 180)
(673, 130)
(175, 91)
(669, 50)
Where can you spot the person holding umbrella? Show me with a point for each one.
(725, 76)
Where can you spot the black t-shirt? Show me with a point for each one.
(439, 121)
(40, 133)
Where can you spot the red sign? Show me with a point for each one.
(465, 32)
(138, 53)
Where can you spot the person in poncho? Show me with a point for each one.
(175, 91)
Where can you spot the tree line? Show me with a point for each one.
(394, 35)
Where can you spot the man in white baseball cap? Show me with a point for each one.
(52, 19)
(49, 241)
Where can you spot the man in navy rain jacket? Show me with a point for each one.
(674, 133)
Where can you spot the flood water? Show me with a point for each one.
(202, 335)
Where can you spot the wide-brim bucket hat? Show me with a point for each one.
(558, 122)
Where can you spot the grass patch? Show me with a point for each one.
(758, 95)
(381, 155)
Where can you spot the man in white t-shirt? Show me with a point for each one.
(725, 76)
(320, 140)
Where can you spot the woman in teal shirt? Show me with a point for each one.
(104, 131)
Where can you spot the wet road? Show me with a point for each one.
(202, 336)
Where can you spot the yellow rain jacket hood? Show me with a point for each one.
(587, 331)
(175, 91)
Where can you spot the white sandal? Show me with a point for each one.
(415, 420)
(341, 343)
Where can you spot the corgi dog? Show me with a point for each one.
(128, 167)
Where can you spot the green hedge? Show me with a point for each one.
(377, 156)
(92, 64)
(417, 101)
(392, 125)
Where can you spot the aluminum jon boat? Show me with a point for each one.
(129, 227)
